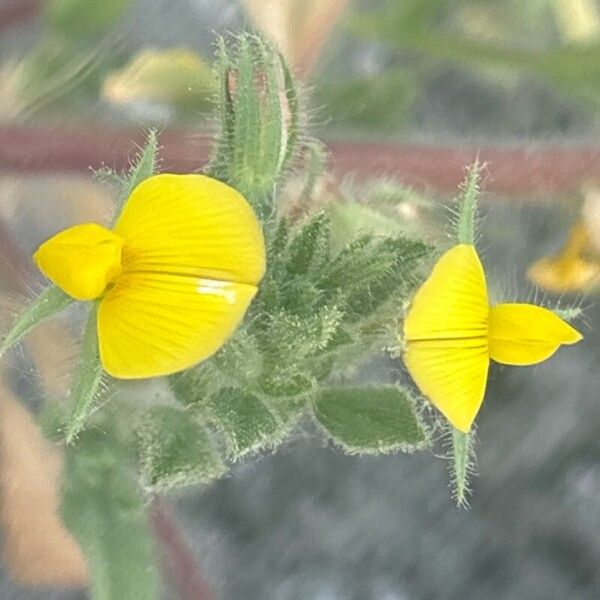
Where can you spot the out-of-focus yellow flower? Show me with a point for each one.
(168, 76)
(579, 20)
(451, 333)
(570, 270)
(174, 278)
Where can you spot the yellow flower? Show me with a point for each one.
(451, 333)
(174, 278)
(571, 270)
(175, 75)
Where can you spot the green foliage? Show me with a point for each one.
(50, 302)
(370, 420)
(258, 109)
(175, 450)
(246, 422)
(103, 509)
(372, 101)
(500, 46)
(85, 388)
(316, 313)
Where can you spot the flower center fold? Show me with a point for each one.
(82, 261)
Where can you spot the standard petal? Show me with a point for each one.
(524, 334)
(152, 324)
(191, 225)
(453, 302)
(452, 374)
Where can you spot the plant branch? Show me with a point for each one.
(519, 171)
(179, 560)
(15, 12)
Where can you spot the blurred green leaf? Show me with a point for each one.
(374, 101)
(103, 509)
(370, 420)
(84, 18)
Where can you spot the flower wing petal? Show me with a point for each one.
(191, 225)
(153, 324)
(524, 334)
(452, 374)
(445, 334)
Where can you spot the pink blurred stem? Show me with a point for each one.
(522, 171)
(179, 561)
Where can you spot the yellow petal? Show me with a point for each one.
(152, 324)
(445, 334)
(524, 334)
(570, 270)
(560, 275)
(452, 374)
(192, 257)
(453, 302)
(174, 75)
(191, 225)
(81, 260)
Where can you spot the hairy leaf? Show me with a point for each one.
(175, 450)
(50, 302)
(370, 420)
(245, 420)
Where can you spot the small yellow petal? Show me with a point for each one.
(524, 334)
(445, 335)
(453, 301)
(452, 374)
(81, 260)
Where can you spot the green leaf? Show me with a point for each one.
(194, 386)
(246, 422)
(466, 224)
(84, 393)
(370, 270)
(370, 420)
(103, 509)
(175, 450)
(46, 305)
(142, 167)
(309, 249)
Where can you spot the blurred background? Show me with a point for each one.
(404, 93)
